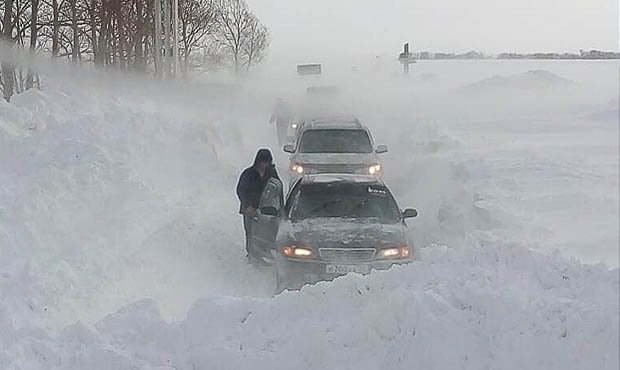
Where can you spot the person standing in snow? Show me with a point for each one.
(250, 187)
(281, 116)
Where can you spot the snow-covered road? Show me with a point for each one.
(117, 210)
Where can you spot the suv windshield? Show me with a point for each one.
(346, 200)
(335, 141)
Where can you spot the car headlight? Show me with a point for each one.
(374, 169)
(297, 168)
(390, 253)
(294, 125)
(404, 252)
(394, 252)
(297, 252)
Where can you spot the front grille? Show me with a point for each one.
(336, 168)
(347, 254)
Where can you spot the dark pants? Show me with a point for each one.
(247, 226)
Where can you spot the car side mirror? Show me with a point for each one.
(289, 148)
(269, 211)
(410, 213)
(381, 149)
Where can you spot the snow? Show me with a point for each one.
(120, 245)
(530, 80)
(500, 307)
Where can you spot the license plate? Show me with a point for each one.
(345, 269)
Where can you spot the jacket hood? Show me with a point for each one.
(263, 155)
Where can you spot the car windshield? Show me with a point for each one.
(344, 200)
(335, 141)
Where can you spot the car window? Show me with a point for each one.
(345, 200)
(335, 141)
(272, 194)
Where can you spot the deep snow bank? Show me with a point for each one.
(531, 80)
(106, 196)
(493, 307)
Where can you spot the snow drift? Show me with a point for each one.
(531, 80)
(492, 307)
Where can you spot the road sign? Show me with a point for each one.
(308, 69)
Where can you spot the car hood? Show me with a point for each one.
(336, 158)
(343, 233)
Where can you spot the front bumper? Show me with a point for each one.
(293, 273)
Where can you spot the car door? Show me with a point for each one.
(267, 221)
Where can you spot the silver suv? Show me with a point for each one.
(334, 145)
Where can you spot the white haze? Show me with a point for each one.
(116, 188)
(320, 28)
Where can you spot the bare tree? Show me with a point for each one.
(241, 33)
(34, 13)
(75, 49)
(234, 19)
(157, 39)
(255, 47)
(167, 38)
(104, 31)
(120, 35)
(197, 22)
(90, 12)
(8, 70)
(55, 27)
(128, 34)
(138, 41)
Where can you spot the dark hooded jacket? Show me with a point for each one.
(251, 184)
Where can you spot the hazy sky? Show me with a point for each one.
(309, 28)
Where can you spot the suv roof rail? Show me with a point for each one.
(335, 122)
(341, 177)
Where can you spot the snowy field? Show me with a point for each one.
(121, 248)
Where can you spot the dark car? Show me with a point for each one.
(334, 145)
(330, 225)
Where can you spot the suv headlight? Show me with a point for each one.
(374, 169)
(297, 168)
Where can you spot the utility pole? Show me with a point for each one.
(157, 39)
(175, 37)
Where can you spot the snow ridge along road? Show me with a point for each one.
(117, 210)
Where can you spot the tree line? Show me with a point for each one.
(132, 35)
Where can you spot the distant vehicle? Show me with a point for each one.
(289, 114)
(330, 225)
(282, 116)
(334, 145)
(322, 91)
